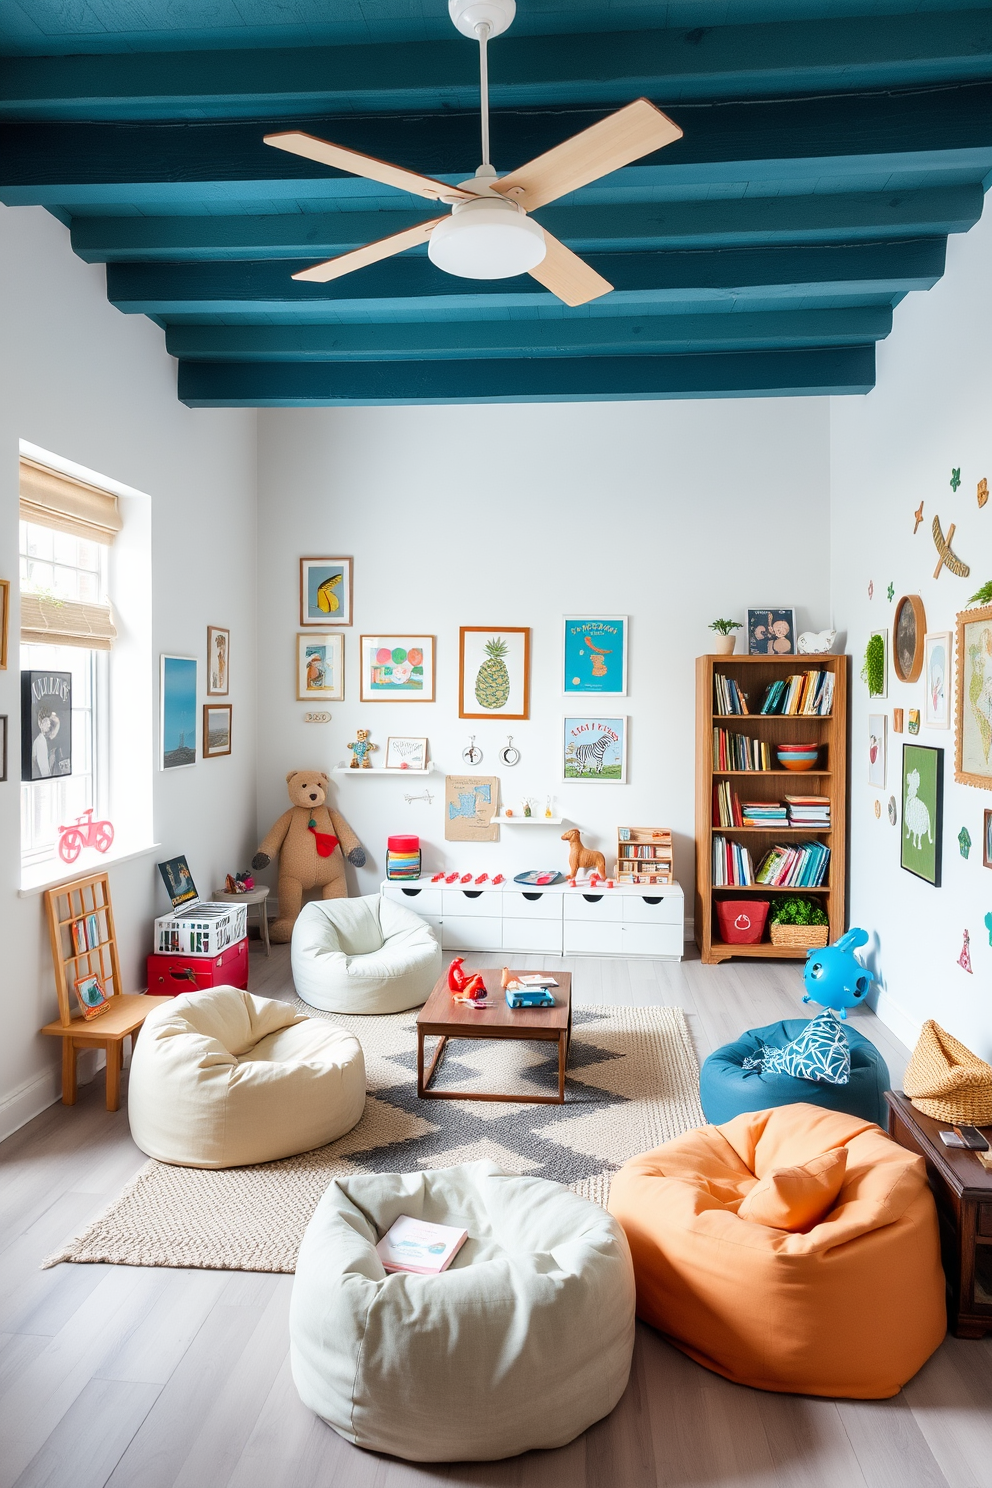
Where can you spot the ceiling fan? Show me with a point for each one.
(488, 233)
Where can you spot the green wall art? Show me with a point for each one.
(922, 811)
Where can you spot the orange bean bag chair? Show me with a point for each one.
(794, 1249)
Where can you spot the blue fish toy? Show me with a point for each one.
(834, 977)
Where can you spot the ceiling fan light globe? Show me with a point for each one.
(466, 15)
(482, 240)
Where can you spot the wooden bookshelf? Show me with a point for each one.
(644, 855)
(828, 778)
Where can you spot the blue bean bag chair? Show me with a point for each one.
(726, 1089)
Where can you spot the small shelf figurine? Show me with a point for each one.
(361, 750)
(582, 857)
(239, 883)
(547, 809)
(527, 810)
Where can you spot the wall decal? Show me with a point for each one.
(871, 588)
(982, 491)
(955, 480)
(897, 720)
(922, 811)
(943, 546)
(876, 750)
(878, 809)
(964, 960)
(914, 721)
(918, 514)
(424, 796)
(937, 674)
(964, 841)
(890, 593)
(973, 700)
(893, 811)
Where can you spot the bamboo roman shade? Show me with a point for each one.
(69, 505)
(66, 622)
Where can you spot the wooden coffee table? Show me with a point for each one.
(447, 1019)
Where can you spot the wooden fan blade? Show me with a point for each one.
(297, 143)
(639, 129)
(346, 263)
(567, 275)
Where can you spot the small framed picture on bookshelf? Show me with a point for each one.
(771, 632)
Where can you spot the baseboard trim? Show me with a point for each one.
(28, 1101)
(896, 1019)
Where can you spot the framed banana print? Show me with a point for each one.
(325, 591)
(397, 669)
(493, 671)
(973, 698)
(320, 667)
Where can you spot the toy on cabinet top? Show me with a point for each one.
(835, 978)
(361, 750)
(582, 857)
(311, 841)
(816, 642)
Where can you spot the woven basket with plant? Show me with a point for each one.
(947, 1081)
(799, 922)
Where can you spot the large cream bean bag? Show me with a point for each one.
(220, 1079)
(524, 1342)
(367, 955)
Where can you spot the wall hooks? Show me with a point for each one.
(508, 754)
(472, 754)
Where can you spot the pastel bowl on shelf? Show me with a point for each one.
(796, 756)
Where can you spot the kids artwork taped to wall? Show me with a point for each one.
(177, 689)
(218, 661)
(325, 591)
(320, 667)
(771, 632)
(493, 671)
(397, 669)
(973, 700)
(594, 656)
(877, 724)
(46, 725)
(470, 803)
(922, 811)
(937, 679)
(595, 749)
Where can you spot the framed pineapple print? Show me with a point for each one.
(493, 671)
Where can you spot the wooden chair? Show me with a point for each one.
(84, 943)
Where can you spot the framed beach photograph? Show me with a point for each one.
(397, 669)
(493, 671)
(771, 632)
(877, 725)
(406, 753)
(325, 591)
(46, 725)
(594, 749)
(937, 679)
(973, 698)
(177, 707)
(218, 661)
(594, 656)
(320, 667)
(4, 621)
(91, 996)
(216, 729)
(922, 811)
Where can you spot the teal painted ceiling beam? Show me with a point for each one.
(750, 221)
(642, 335)
(768, 374)
(724, 61)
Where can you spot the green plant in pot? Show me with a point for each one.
(725, 638)
(873, 667)
(799, 921)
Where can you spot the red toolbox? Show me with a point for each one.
(168, 976)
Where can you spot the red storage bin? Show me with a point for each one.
(741, 921)
(169, 976)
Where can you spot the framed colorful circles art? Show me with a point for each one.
(397, 669)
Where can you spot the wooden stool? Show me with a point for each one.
(122, 1019)
(257, 895)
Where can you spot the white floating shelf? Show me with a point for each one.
(528, 821)
(392, 774)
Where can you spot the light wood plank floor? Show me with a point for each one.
(141, 1378)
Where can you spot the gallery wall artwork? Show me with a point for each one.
(397, 669)
(909, 629)
(178, 715)
(216, 729)
(877, 725)
(922, 811)
(937, 679)
(218, 661)
(594, 749)
(771, 632)
(320, 667)
(4, 621)
(470, 803)
(404, 753)
(493, 671)
(325, 591)
(594, 655)
(973, 698)
(46, 725)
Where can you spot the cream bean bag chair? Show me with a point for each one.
(220, 1079)
(366, 955)
(525, 1341)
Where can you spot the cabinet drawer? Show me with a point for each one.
(532, 935)
(424, 901)
(469, 901)
(592, 940)
(652, 909)
(652, 940)
(591, 909)
(468, 933)
(531, 906)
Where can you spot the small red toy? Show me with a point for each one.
(482, 878)
(466, 878)
(451, 878)
(456, 977)
(463, 988)
(437, 878)
(500, 878)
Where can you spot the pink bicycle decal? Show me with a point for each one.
(84, 832)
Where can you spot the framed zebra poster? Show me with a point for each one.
(595, 749)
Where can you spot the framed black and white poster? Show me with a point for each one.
(46, 725)
(771, 632)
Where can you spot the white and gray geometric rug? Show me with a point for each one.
(632, 1083)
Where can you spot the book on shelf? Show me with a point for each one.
(808, 811)
(809, 694)
(802, 866)
(646, 850)
(728, 699)
(732, 864)
(733, 751)
(764, 814)
(416, 1245)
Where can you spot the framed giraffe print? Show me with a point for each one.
(594, 749)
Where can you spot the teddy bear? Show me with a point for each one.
(311, 841)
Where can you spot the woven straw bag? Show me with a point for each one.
(947, 1081)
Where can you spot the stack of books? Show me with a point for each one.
(726, 807)
(803, 866)
(809, 811)
(738, 752)
(809, 693)
(731, 863)
(728, 698)
(764, 814)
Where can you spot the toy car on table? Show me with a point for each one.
(523, 997)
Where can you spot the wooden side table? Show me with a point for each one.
(122, 1019)
(962, 1188)
(255, 896)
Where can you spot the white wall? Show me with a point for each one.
(673, 513)
(97, 387)
(928, 413)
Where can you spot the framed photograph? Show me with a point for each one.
(397, 669)
(177, 690)
(4, 621)
(3, 746)
(93, 1000)
(973, 698)
(320, 667)
(493, 671)
(885, 663)
(406, 754)
(178, 881)
(325, 591)
(218, 661)
(771, 632)
(937, 679)
(46, 725)
(595, 749)
(922, 811)
(594, 656)
(216, 729)
(877, 724)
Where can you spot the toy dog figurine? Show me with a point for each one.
(835, 978)
(582, 857)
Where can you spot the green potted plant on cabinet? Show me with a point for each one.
(725, 640)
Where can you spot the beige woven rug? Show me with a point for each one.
(633, 1083)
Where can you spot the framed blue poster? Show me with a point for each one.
(594, 656)
(179, 714)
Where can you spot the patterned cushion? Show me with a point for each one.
(819, 1052)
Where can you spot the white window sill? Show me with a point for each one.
(50, 875)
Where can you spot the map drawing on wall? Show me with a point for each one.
(937, 677)
(325, 591)
(470, 803)
(973, 702)
(493, 671)
(922, 811)
(397, 669)
(595, 749)
(46, 725)
(594, 655)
